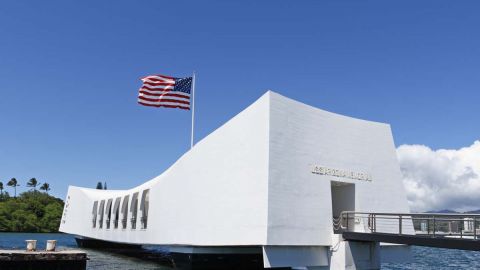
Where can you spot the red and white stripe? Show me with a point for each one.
(157, 91)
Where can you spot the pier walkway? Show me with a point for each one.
(59, 260)
(454, 231)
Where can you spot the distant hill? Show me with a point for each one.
(31, 211)
(444, 211)
(447, 211)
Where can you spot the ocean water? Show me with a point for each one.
(98, 260)
(423, 258)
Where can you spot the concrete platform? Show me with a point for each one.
(58, 260)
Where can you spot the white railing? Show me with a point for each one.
(422, 224)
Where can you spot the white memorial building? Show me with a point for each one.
(270, 180)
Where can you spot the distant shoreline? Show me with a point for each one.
(30, 212)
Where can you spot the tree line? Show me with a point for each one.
(30, 211)
(32, 183)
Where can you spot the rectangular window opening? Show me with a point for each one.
(94, 214)
(125, 211)
(108, 213)
(116, 212)
(144, 208)
(134, 210)
(101, 213)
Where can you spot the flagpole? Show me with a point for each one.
(193, 109)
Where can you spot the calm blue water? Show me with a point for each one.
(98, 260)
(423, 258)
(438, 259)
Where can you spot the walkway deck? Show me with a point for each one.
(416, 240)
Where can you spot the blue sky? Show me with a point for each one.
(69, 74)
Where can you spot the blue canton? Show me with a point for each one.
(183, 85)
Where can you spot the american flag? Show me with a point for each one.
(165, 91)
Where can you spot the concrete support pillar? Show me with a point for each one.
(349, 255)
(362, 255)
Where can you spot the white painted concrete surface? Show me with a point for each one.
(250, 183)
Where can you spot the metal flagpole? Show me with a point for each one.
(193, 108)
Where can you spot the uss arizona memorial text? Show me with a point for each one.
(316, 169)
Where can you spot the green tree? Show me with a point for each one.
(33, 183)
(24, 221)
(13, 183)
(30, 212)
(51, 219)
(4, 217)
(99, 185)
(3, 194)
(45, 187)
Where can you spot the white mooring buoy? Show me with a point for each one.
(51, 245)
(31, 245)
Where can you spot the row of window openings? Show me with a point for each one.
(100, 211)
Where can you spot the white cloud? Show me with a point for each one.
(441, 179)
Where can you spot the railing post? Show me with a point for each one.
(474, 228)
(370, 222)
(428, 226)
(434, 226)
(374, 223)
(347, 223)
(400, 224)
(461, 228)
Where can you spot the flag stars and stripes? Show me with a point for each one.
(165, 91)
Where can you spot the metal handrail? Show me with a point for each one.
(437, 224)
(410, 214)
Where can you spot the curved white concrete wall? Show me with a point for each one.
(215, 194)
(250, 182)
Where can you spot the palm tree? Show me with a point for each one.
(1, 188)
(13, 183)
(33, 183)
(45, 187)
